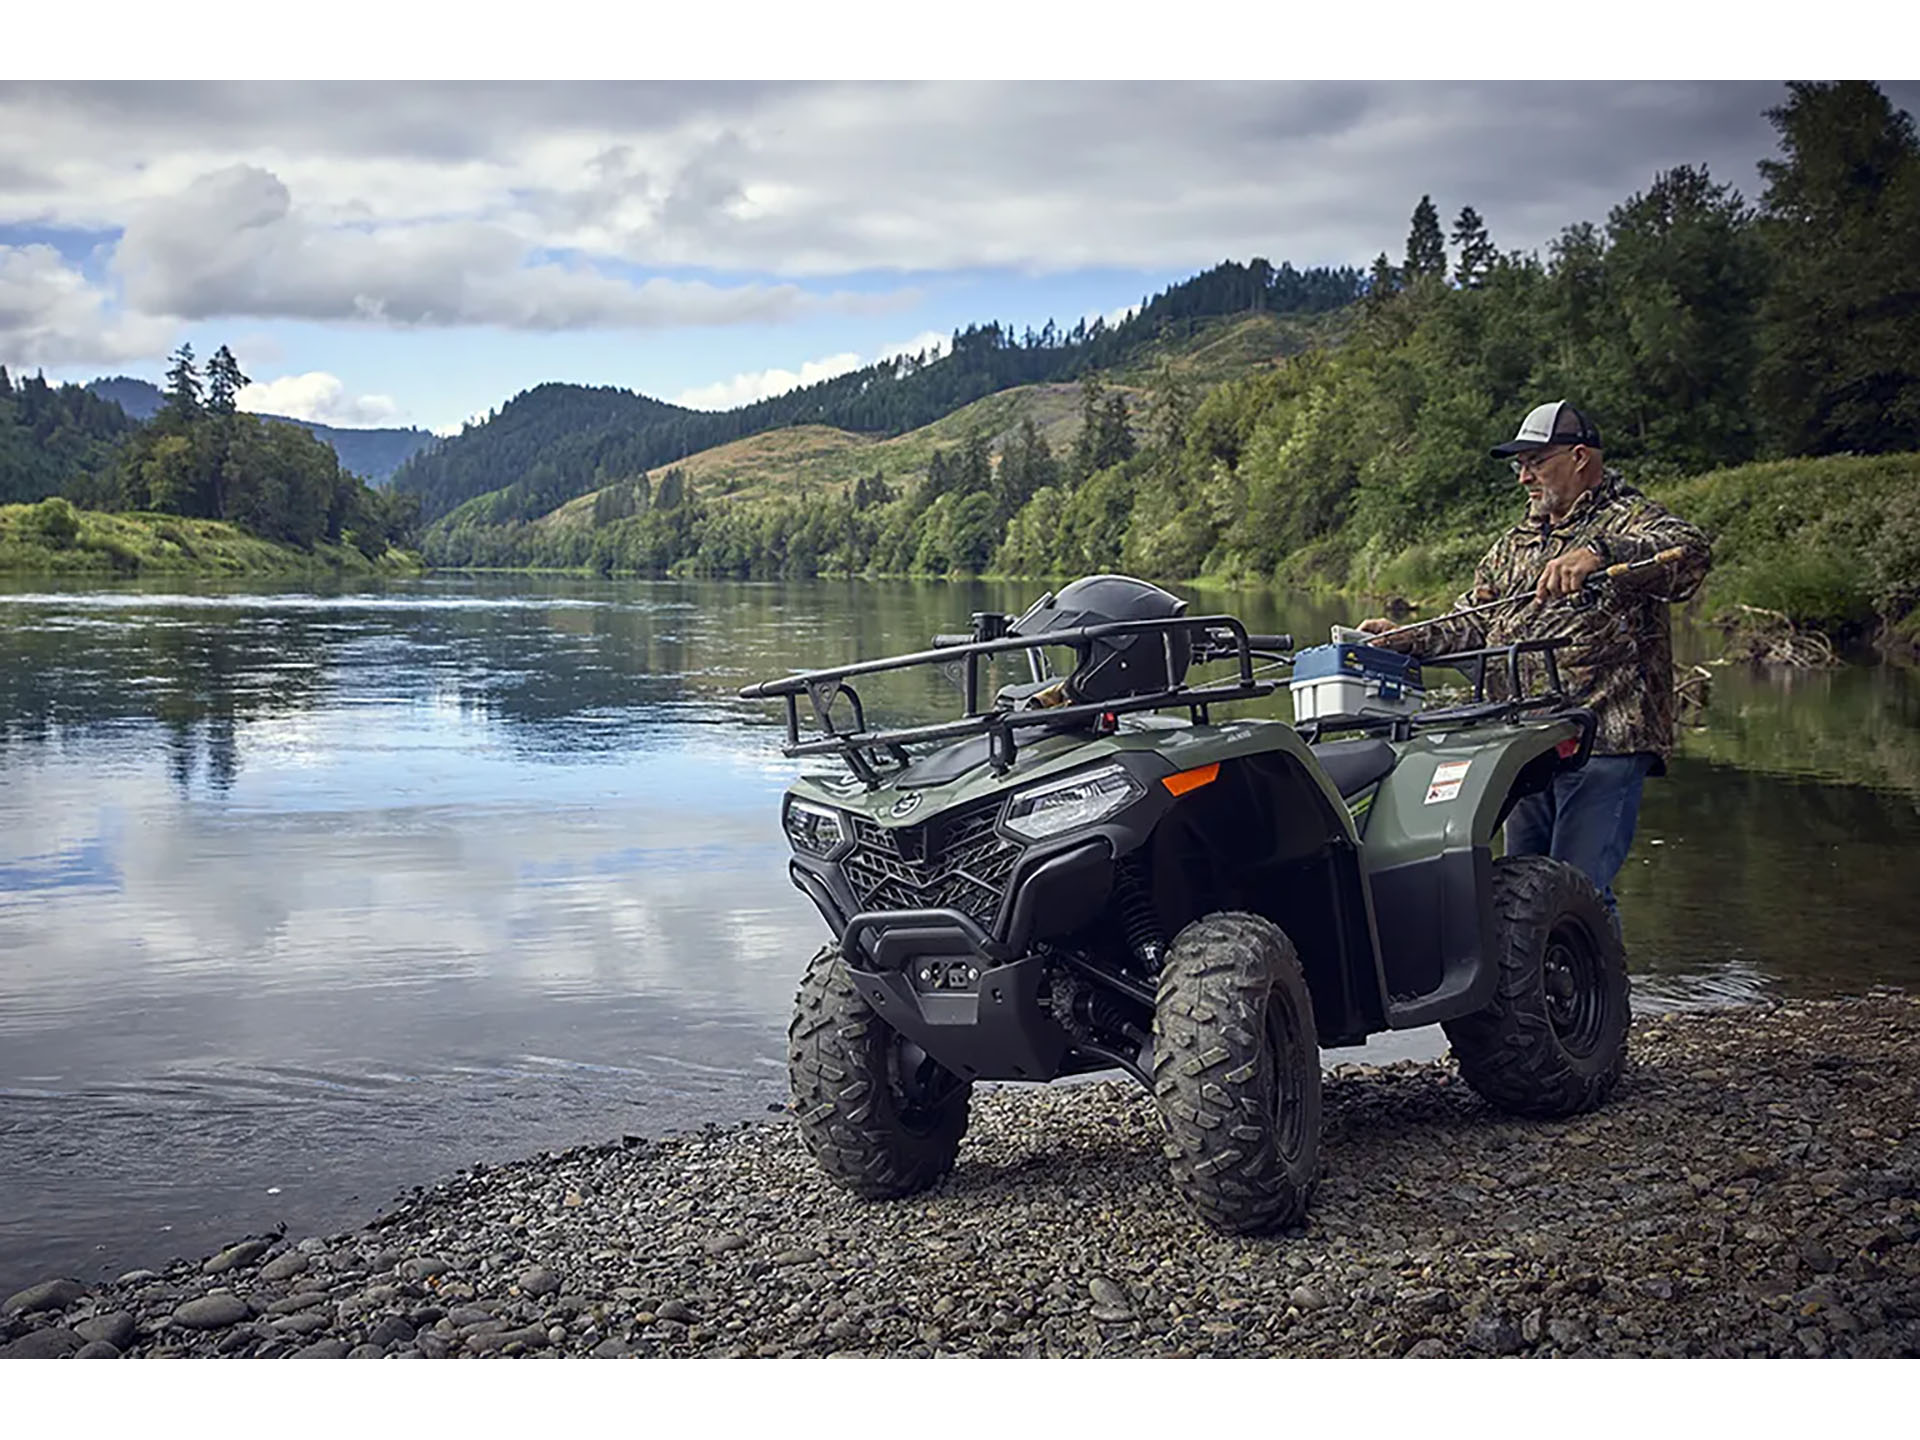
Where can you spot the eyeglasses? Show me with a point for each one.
(1530, 464)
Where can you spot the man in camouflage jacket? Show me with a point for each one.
(1581, 518)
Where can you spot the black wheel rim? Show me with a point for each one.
(1575, 988)
(921, 1085)
(1284, 1042)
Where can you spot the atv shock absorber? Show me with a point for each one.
(1144, 936)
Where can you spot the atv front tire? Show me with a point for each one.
(1554, 1040)
(1236, 1073)
(883, 1118)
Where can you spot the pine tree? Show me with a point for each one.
(224, 381)
(1477, 252)
(1383, 280)
(6, 384)
(1840, 342)
(1426, 248)
(183, 384)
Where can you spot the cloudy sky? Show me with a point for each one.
(384, 253)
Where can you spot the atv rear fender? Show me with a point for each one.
(1428, 856)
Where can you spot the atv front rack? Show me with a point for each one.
(1211, 637)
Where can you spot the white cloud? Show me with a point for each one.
(319, 397)
(51, 314)
(755, 385)
(762, 384)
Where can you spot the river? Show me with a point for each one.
(306, 899)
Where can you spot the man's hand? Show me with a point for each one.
(1376, 626)
(1567, 574)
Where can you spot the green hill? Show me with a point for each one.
(556, 442)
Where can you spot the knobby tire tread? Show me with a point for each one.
(1508, 1052)
(849, 1118)
(1214, 1076)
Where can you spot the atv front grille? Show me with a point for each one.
(953, 862)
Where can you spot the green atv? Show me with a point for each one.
(1065, 880)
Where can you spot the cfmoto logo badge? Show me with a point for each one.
(905, 805)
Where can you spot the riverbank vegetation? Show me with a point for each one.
(201, 487)
(53, 537)
(1740, 359)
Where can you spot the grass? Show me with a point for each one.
(53, 538)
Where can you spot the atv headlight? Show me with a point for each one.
(813, 829)
(1062, 805)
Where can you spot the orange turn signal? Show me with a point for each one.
(1192, 779)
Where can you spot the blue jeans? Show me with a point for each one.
(1585, 818)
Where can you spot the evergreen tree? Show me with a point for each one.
(1383, 280)
(6, 384)
(1426, 248)
(224, 381)
(183, 384)
(1840, 324)
(1476, 250)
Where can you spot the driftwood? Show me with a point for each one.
(1767, 637)
(1692, 688)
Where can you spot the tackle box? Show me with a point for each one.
(1355, 679)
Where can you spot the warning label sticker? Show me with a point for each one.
(1448, 777)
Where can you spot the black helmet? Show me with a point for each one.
(1118, 665)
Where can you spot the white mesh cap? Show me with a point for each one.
(1555, 423)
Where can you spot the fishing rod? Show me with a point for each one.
(1593, 581)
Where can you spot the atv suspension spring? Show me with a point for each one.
(1144, 937)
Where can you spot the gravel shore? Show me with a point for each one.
(1752, 1189)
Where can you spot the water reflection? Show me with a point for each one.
(323, 895)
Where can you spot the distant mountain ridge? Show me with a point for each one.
(553, 443)
(373, 454)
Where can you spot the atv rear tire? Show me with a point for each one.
(1236, 1073)
(883, 1118)
(1554, 1040)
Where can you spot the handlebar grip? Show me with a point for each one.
(1270, 642)
(942, 641)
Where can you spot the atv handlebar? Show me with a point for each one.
(947, 639)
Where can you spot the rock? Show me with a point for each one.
(212, 1312)
(236, 1257)
(116, 1329)
(97, 1350)
(675, 1310)
(137, 1277)
(307, 1322)
(1567, 1332)
(47, 1295)
(725, 1242)
(1109, 1293)
(424, 1267)
(366, 1352)
(1533, 1326)
(285, 1266)
(611, 1350)
(1494, 1335)
(1428, 1349)
(539, 1281)
(801, 1256)
(432, 1346)
(390, 1331)
(294, 1304)
(331, 1348)
(466, 1316)
(312, 1245)
(54, 1343)
(1305, 1297)
(556, 1334)
(487, 1342)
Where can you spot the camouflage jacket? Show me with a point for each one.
(1620, 659)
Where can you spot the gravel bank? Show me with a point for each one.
(1753, 1189)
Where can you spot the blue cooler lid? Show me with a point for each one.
(1356, 662)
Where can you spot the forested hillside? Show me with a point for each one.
(553, 442)
(197, 457)
(372, 454)
(1704, 332)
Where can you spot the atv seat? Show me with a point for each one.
(1352, 765)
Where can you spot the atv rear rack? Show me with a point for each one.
(1550, 704)
(1212, 637)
